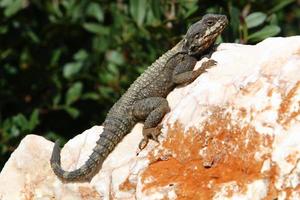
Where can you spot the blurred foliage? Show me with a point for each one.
(63, 63)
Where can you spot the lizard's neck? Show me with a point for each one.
(180, 48)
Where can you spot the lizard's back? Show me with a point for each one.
(156, 81)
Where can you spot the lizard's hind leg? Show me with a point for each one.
(152, 110)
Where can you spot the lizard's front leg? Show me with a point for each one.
(183, 72)
(152, 110)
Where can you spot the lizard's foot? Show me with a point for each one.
(150, 133)
(206, 65)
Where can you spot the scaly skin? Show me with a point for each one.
(145, 100)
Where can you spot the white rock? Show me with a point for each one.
(241, 120)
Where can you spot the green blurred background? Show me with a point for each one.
(63, 63)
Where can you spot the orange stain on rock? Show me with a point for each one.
(199, 162)
(285, 115)
(289, 192)
(271, 176)
(88, 193)
(127, 185)
(292, 158)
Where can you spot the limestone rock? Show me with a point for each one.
(234, 133)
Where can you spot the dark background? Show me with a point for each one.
(63, 63)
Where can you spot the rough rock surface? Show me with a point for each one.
(234, 133)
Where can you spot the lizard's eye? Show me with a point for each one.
(210, 22)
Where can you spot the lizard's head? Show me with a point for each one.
(202, 34)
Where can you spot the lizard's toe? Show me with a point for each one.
(150, 134)
(154, 137)
(210, 63)
(143, 143)
(207, 65)
(213, 62)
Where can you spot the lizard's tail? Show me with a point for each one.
(106, 143)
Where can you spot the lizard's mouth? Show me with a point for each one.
(203, 45)
(194, 50)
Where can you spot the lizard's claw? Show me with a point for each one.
(150, 133)
(143, 143)
(154, 137)
(208, 64)
(212, 62)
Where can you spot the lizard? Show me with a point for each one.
(145, 100)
